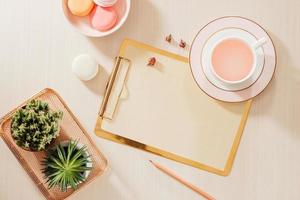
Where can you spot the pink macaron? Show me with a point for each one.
(103, 18)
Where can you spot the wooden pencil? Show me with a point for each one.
(184, 182)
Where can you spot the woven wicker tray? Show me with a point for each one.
(70, 129)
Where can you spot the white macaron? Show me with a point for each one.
(105, 3)
(85, 67)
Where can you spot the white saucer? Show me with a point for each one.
(223, 94)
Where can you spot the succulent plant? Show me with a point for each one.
(66, 165)
(34, 126)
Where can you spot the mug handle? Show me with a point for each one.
(259, 43)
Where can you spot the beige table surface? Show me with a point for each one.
(36, 50)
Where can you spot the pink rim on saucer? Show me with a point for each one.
(197, 69)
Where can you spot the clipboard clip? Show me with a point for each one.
(114, 87)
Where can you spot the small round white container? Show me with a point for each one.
(85, 67)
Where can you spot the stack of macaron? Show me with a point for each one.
(102, 14)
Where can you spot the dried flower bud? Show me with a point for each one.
(151, 61)
(169, 38)
(182, 44)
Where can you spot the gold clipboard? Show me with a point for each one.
(223, 171)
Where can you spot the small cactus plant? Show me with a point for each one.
(34, 126)
(66, 165)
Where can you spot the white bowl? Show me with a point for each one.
(82, 24)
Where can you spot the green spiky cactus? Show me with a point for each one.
(66, 165)
(34, 126)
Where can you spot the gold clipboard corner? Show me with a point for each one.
(123, 140)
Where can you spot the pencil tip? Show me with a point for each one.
(151, 161)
